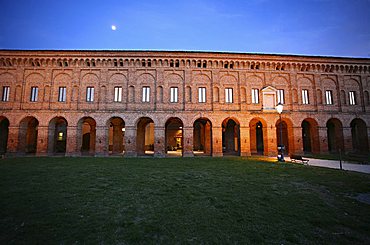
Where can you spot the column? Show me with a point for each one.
(12, 146)
(159, 140)
(271, 141)
(217, 142)
(42, 141)
(130, 141)
(297, 140)
(347, 139)
(187, 139)
(72, 138)
(245, 141)
(101, 141)
(323, 139)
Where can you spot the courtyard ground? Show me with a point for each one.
(180, 200)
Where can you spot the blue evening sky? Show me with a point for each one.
(312, 27)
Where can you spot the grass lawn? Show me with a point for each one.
(179, 200)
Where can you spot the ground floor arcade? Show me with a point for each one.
(180, 134)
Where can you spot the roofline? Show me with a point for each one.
(184, 52)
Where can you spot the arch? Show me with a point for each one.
(258, 136)
(4, 132)
(57, 135)
(231, 137)
(310, 136)
(116, 134)
(86, 128)
(202, 137)
(145, 136)
(285, 136)
(28, 130)
(335, 135)
(174, 136)
(360, 143)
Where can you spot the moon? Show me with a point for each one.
(114, 27)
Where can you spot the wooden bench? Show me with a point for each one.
(296, 158)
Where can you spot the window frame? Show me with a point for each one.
(174, 94)
(6, 93)
(117, 94)
(62, 94)
(352, 98)
(255, 96)
(280, 94)
(305, 97)
(229, 94)
(146, 94)
(202, 92)
(34, 94)
(329, 97)
(90, 90)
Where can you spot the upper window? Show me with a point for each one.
(62, 94)
(90, 94)
(174, 95)
(329, 97)
(6, 91)
(305, 98)
(255, 96)
(352, 97)
(228, 95)
(280, 96)
(34, 94)
(146, 94)
(117, 94)
(202, 95)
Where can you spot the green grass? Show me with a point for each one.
(179, 200)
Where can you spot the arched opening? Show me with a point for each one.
(4, 132)
(310, 136)
(145, 136)
(335, 135)
(87, 130)
(282, 135)
(202, 137)
(230, 137)
(257, 136)
(360, 142)
(57, 137)
(173, 135)
(28, 129)
(116, 134)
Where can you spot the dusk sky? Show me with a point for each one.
(311, 27)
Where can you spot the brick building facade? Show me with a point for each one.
(182, 103)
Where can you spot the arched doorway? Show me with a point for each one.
(27, 141)
(145, 136)
(282, 136)
(335, 135)
(174, 136)
(230, 137)
(202, 137)
(360, 142)
(310, 136)
(57, 137)
(87, 130)
(257, 136)
(116, 134)
(4, 132)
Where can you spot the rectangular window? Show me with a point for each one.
(90, 94)
(146, 94)
(202, 95)
(352, 97)
(329, 97)
(255, 96)
(62, 94)
(305, 99)
(174, 94)
(117, 94)
(34, 94)
(228, 95)
(6, 91)
(280, 96)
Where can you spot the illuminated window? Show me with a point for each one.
(255, 96)
(174, 95)
(228, 95)
(62, 94)
(117, 94)
(34, 94)
(60, 136)
(146, 94)
(280, 96)
(305, 98)
(90, 94)
(6, 90)
(202, 95)
(329, 97)
(352, 97)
